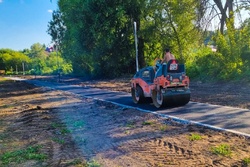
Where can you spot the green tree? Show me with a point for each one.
(56, 27)
(97, 42)
(10, 60)
(98, 35)
(223, 11)
(172, 24)
(38, 56)
(55, 62)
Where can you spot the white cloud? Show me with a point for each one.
(1, 1)
(50, 11)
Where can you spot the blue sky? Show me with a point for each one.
(25, 22)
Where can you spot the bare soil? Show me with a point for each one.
(75, 131)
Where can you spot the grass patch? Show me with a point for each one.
(246, 161)
(82, 163)
(58, 140)
(223, 149)
(130, 124)
(31, 153)
(93, 163)
(194, 137)
(3, 79)
(64, 131)
(77, 162)
(127, 132)
(7, 106)
(147, 123)
(163, 128)
(56, 125)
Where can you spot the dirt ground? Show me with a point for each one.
(68, 130)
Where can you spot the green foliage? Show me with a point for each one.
(81, 163)
(194, 137)
(184, 36)
(193, 68)
(211, 65)
(246, 161)
(224, 64)
(147, 123)
(101, 44)
(64, 131)
(93, 163)
(131, 124)
(54, 62)
(35, 61)
(58, 140)
(77, 163)
(56, 27)
(61, 128)
(163, 128)
(31, 153)
(223, 149)
(245, 49)
(56, 125)
(11, 60)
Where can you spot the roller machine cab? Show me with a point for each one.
(164, 84)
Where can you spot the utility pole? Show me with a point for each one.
(57, 59)
(136, 48)
(23, 68)
(16, 70)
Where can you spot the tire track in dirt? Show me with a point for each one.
(125, 137)
(101, 135)
(162, 151)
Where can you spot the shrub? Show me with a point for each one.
(194, 137)
(223, 149)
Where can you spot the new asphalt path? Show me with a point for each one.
(224, 118)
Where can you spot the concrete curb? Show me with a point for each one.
(176, 119)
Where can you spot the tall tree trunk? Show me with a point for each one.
(176, 36)
(222, 23)
(230, 7)
(223, 13)
(231, 12)
(223, 10)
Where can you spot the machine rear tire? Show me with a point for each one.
(137, 95)
(158, 98)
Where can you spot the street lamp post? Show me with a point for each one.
(23, 68)
(57, 59)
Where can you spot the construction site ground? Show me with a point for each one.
(45, 127)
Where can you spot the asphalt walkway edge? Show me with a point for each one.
(174, 118)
